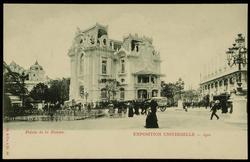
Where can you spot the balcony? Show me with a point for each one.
(122, 74)
(147, 85)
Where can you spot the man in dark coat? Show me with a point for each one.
(184, 106)
(214, 109)
(151, 120)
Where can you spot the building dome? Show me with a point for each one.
(36, 66)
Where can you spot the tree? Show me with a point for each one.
(59, 90)
(167, 89)
(111, 87)
(14, 82)
(190, 95)
(40, 92)
(172, 90)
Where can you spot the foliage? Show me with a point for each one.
(59, 91)
(172, 91)
(111, 87)
(190, 95)
(40, 92)
(14, 82)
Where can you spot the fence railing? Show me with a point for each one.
(69, 115)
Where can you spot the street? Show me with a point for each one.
(127, 137)
(171, 119)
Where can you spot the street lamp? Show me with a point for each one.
(23, 77)
(237, 55)
(86, 94)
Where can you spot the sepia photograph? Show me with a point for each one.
(143, 81)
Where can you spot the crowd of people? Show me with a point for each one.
(120, 108)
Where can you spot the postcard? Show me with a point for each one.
(122, 81)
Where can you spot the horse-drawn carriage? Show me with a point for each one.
(161, 101)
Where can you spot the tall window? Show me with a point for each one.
(220, 83)
(81, 64)
(142, 94)
(143, 79)
(231, 81)
(103, 93)
(104, 66)
(152, 79)
(154, 93)
(122, 94)
(122, 66)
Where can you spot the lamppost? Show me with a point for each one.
(237, 55)
(23, 77)
(86, 94)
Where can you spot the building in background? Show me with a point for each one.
(218, 78)
(35, 73)
(95, 58)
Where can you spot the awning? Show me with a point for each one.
(16, 102)
(147, 72)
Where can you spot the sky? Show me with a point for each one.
(188, 36)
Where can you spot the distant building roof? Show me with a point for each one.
(36, 66)
(96, 25)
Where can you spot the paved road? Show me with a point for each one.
(171, 119)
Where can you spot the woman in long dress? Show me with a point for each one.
(130, 109)
(151, 120)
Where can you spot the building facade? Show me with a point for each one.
(222, 79)
(35, 73)
(95, 59)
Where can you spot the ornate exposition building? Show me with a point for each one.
(95, 58)
(220, 79)
(36, 74)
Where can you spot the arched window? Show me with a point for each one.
(104, 42)
(81, 64)
(154, 93)
(137, 48)
(216, 85)
(225, 82)
(104, 66)
(220, 83)
(142, 94)
(122, 93)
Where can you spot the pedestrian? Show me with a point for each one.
(214, 109)
(142, 105)
(119, 106)
(184, 106)
(151, 120)
(136, 107)
(145, 105)
(130, 109)
(124, 107)
(89, 107)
